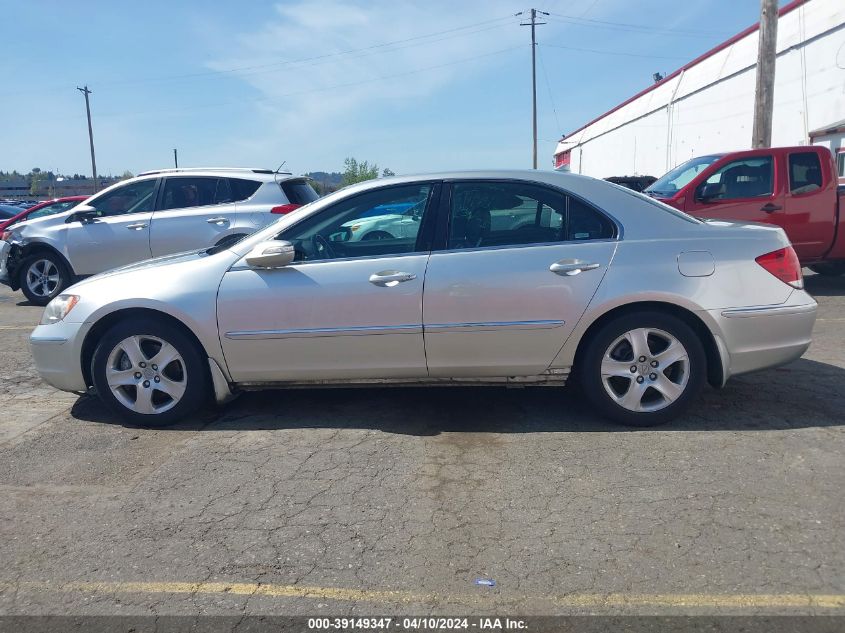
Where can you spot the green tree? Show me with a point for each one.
(387, 172)
(358, 172)
(35, 182)
(127, 174)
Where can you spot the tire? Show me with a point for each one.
(42, 277)
(377, 235)
(609, 369)
(123, 370)
(829, 269)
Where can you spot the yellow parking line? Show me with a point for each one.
(695, 600)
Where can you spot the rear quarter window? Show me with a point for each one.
(298, 191)
(241, 188)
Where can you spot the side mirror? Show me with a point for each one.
(83, 213)
(272, 254)
(708, 191)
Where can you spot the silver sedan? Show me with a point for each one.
(508, 277)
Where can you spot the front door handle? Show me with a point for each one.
(216, 220)
(137, 226)
(571, 267)
(390, 278)
(771, 208)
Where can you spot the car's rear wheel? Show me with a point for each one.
(42, 277)
(149, 372)
(643, 369)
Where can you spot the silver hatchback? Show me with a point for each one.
(153, 214)
(504, 278)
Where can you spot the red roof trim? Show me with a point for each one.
(783, 11)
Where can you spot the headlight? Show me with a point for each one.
(58, 308)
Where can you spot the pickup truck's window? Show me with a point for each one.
(805, 172)
(134, 197)
(380, 222)
(840, 163)
(745, 178)
(670, 183)
(505, 214)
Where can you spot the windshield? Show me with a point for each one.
(675, 180)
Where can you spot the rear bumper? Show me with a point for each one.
(760, 337)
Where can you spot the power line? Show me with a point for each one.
(549, 88)
(636, 28)
(326, 57)
(601, 52)
(356, 83)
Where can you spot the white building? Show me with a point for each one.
(707, 105)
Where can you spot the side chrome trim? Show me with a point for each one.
(369, 330)
(374, 330)
(757, 311)
(492, 325)
(48, 340)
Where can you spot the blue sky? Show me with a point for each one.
(428, 85)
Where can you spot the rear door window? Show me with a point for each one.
(805, 173)
(182, 192)
(298, 191)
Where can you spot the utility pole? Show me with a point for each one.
(764, 95)
(175, 158)
(87, 92)
(533, 24)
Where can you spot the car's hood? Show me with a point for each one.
(148, 264)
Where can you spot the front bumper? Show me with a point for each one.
(760, 337)
(5, 247)
(57, 352)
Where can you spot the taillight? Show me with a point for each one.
(783, 264)
(285, 208)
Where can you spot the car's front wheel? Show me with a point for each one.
(149, 372)
(42, 277)
(643, 369)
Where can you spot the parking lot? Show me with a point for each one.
(398, 500)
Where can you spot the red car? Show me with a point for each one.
(48, 207)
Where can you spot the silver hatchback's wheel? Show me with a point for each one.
(146, 374)
(42, 277)
(645, 369)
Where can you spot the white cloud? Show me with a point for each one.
(303, 104)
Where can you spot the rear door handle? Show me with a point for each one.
(137, 226)
(216, 220)
(571, 267)
(390, 278)
(771, 208)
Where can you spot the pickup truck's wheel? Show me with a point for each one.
(643, 369)
(149, 372)
(42, 277)
(829, 269)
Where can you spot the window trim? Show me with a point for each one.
(825, 179)
(442, 240)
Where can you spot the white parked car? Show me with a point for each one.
(156, 213)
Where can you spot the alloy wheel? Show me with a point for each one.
(645, 369)
(43, 277)
(146, 374)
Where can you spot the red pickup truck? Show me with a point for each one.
(794, 187)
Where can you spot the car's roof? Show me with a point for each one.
(251, 173)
